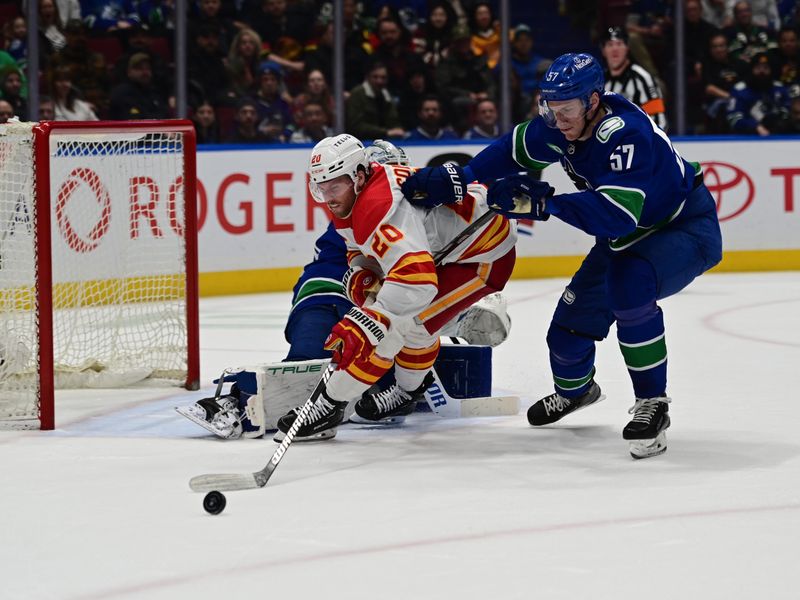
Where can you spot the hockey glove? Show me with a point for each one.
(520, 197)
(355, 337)
(360, 284)
(433, 186)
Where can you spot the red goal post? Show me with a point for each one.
(98, 260)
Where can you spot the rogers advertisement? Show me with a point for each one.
(255, 211)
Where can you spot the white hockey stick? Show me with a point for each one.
(487, 406)
(248, 481)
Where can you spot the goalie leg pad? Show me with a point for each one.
(465, 370)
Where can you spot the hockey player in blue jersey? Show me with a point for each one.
(654, 221)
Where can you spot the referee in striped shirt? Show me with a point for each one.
(628, 79)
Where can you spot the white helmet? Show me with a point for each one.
(386, 153)
(333, 157)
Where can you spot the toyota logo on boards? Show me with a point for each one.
(731, 187)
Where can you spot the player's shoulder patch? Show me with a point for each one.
(373, 205)
(608, 127)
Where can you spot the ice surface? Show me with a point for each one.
(469, 508)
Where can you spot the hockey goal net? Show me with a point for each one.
(98, 260)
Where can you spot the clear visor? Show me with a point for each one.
(561, 111)
(330, 190)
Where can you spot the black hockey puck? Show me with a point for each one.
(214, 502)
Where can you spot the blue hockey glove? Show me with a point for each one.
(433, 186)
(520, 197)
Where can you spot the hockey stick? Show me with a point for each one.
(248, 481)
(487, 406)
(461, 237)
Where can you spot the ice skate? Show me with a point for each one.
(320, 422)
(389, 407)
(219, 415)
(646, 430)
(555, 406)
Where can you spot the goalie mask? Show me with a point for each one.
(386, 153)
(333, 157)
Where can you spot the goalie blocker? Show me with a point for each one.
(260, 394)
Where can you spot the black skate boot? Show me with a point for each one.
(320, 422)
(555, 406)
(389, 407)
(646, 430)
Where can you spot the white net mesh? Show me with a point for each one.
(118, 262)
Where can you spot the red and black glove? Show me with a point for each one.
(355, 337)
(360, 284)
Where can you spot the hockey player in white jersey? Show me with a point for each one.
(402, 299)
(261, 393)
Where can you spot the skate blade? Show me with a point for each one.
(197, 415)
(648, 448)
(316, 437)
(397, 420)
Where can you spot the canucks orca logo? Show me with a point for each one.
(580, 182)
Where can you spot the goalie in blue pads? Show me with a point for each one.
(654, 221)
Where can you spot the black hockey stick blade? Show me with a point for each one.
(461, 237)
(231, 482)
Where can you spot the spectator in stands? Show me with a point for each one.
(760, 105)
(648, 26)
(320, 57)
(11, 91)
(6, 111)
(88, 70)
(718, 12)
(794, 117)
(697, 33)
(720, 74)
(486, 126)
(206, 126)
(485, 29)
(316, 90)
(394, 51)
(68, 10)
(463, 78)
(274, 113)
(314, 124)
(745, 38)
(51, 36)
(765, 14)
(68, 106)
(206, 65)
(106, 16)
(629, 79)
(278, 23)
(244, 59)
(528, 65)
(46, 108)
(370, 111)
(433, 37)
(246, 124)
(17, 42)
(417, 86)
(137, 39)
(157, 15)
(430, 119)
(208, 15)
(785, 60)
(136, 97)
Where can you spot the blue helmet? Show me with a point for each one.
(571, 76)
